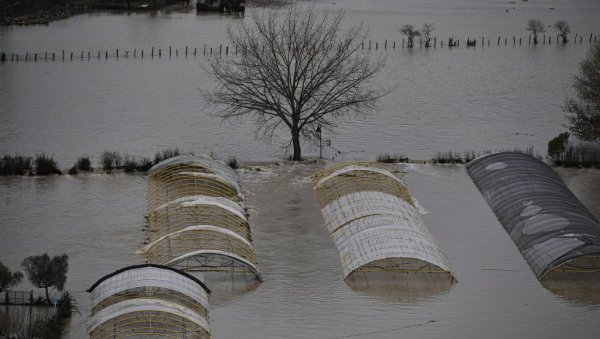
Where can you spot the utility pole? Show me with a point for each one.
(320, 142)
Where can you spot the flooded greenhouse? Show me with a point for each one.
(554, 231)
(373, 221)
(196, 217)
(149, 301)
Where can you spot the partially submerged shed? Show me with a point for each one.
(373, 221)
(149, 301)
(552, 229)
(197, 217)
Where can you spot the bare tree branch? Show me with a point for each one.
(296, 69)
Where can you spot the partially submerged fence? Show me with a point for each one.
(19, 298)
(221, 49)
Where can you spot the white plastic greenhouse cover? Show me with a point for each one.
(214, 166)
(549, 225)
(367, 226)
(147, 276)
(219, 173)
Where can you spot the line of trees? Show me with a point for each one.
(537, 27)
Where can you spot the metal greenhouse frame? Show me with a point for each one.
(149, 301)
(552, 229)
(373, 221)
(197, 217)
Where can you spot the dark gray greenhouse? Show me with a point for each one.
(552, 229)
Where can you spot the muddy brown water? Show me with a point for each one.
(98, 221)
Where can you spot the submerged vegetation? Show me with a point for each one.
(392, 158)
(15, 165)
(565, 154)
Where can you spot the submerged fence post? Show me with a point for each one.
(434, 41)
(385, 44)
(186, 47)
(498, 41)
(369, 45)
(221, 49)
(152, 51)
(529, 39)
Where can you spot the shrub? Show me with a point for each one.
(392, 158)
(232, 162)
(45, 165)
(66, 306)
(144, 165)
(558, 146)
(82, 164)
(15, 165)
(166, 154)
(447, 158)
(129, 164)
(110, 160)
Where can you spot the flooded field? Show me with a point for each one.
(98, 221)
(494, 97)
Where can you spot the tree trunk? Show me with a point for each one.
(296, 144)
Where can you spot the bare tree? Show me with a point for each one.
(535, 26)
(563, 30)
(584, 109)
(426, 30)
(410, 33)
(295, 70)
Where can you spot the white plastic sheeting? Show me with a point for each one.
(368, 226)
(203, 208)
(143, 278)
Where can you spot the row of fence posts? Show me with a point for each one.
(209, 51)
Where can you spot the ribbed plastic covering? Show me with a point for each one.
(196, 217)
(149, 301)
(373, 222)
(553, 230)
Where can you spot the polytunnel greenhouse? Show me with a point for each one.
(197, 218)
(373, 221)
(146, 301)
(552, 229)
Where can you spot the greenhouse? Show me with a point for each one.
(373, 221)
(149, 301)
(197, 217)
(552, 229)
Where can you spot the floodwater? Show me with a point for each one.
(496, 97)
(98, 221)
(459, 99)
